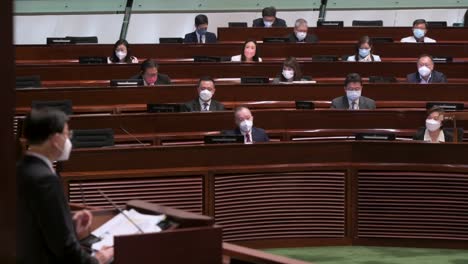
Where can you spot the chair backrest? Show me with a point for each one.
(237, 24)
(63, 105)
(439, 24)
(93, 138)
(83, 40)
(367, 23)
(32, 81)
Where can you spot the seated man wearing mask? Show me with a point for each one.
(433, 131)
(300, 34)
(200, 35)
(419, 33)
(269, 19)
(353, 99)
(244, 121)
(426, 73)
(206, 89)
(47, 232)
(149, 73)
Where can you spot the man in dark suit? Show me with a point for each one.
(200, 35)
(244, 121)
(269, 19)
(205, 102)
(149, 73)
(353, 99)
(47, 233)
(300, 34)
(426, 73)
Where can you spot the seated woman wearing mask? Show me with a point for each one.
(122, 53)
(364, 51)
(249, 53)
(433, 132)
(291, 72)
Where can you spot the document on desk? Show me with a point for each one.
(121, 225)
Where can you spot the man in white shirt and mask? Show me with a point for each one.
(419, 33)
(353, 100)
(205, 102)
(426, 73)
(244, 121)
(300, 34)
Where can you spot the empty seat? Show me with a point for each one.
(367, 23)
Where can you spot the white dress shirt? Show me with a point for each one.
(427, 137)
(200, 38)
(239, 58)
(412, 39)
(424, 81)
(245, 137)
(356, 106)
(202, 106)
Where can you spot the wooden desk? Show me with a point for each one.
(267, 50)
(233, 70)
(294, 194)
(342, 34)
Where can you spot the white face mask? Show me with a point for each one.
(424, 71)
(65, 151)
(288, 74)
(301, 35)
(268, 23)
(121, 55)
(245, 126)
(353, 95)
(206, 95)
(432, 125)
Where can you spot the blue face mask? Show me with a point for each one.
(201, 31)
(364, 52)
(418, 33)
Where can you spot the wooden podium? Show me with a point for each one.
(454, 116)
(193, 239)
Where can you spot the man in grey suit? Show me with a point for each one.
(205, 102)
(353, 99)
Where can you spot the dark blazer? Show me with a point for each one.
(448, 134)
(194, 106)
(278, 23)
(258, 134)
(44, 227)
(342, 103)
(162, 78)
(437, 77)
(310, 38)
(192, 38)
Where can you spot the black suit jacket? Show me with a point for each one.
(45, 227)
(278, 23)
(192, 38)
(448, 134)
(342, 103)
(310, 38)
(162, 78)
(194, 106)
(258, 134)
(437, 77)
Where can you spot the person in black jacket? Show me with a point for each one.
(301, 33)
(47, 233)
(433, 132)
(269, 19)
(244, 121)
(426, 73)
(201, 34)
(149, 73)
(205, 102)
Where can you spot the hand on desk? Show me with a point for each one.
(82, 220)
(105, 255)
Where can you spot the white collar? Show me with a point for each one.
(427, 137)
(43, 158)
(350, 103)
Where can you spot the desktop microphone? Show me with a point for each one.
(120, 211)
(135, 138)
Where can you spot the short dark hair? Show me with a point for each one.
(148, 64)
(201, 19)
(40, 124)
(353, 77)
(269, 11)
(205, 79)
(425, 55)
(420, 21)
(435, 108)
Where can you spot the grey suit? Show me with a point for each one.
(194, 106)
(437, 77)
(342, 103)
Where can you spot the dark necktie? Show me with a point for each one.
(205, 106)
(247, 138)
(353, 105)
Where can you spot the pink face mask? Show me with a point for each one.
(249, 53)
(151, 80)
